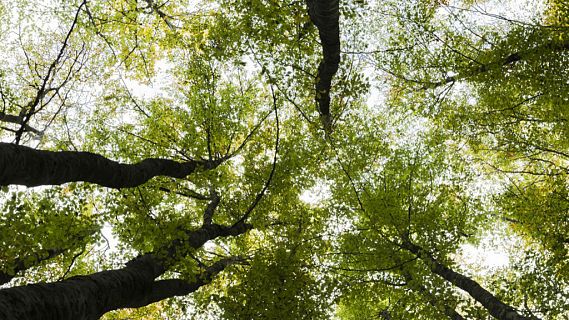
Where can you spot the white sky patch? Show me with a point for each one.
(237, 163)
(108, 234)
(157, 85)
(315, 195)
(490, 12)
(495, 250)
(485, 258)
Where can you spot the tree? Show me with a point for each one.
(269, 159)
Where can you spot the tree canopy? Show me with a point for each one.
(262, 159)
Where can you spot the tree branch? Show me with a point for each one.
(495, 307)
(21, 264)
(325, 14)
(450, 312)
(26, 166)
(89, 297)
(43, 90)
(18, 120)
(499, 63)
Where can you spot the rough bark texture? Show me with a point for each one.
(325, 14)
(450, 312)
(84, 297)
(495, 307)
(89, 297)
(195, 239)
(26, 166)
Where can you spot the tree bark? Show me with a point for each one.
(325, 14)
(495, 307)
(26, 166)
(83, 297)
(89, 297)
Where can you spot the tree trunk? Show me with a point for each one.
(26, 166)
(495, 307)
(89, 297)
(83, 297)
(325, 14)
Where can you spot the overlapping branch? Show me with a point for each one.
(509, 60)
(129, 287)
(46, 87)
(450, 312)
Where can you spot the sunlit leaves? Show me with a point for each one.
(38, 226)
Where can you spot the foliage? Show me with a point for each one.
(448, 119)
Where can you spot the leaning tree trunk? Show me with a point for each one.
(495, 307)
(26, 166)
(89, 297)
(83, 297)
(325, 14)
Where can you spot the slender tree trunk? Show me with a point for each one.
(495, 307)
(26, 166)
(325, 14)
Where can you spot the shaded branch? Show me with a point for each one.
(131, 286)
(188, 193)
(273, 167)
(164, 289)
(26, 166)
(450, 312)
(209, 211)
(21, 264)
(18, 120)
(44, 88)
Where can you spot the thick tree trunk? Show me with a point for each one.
(83, 297)
(89, 297)
(26, 166)
(495, 307)
(325, 14)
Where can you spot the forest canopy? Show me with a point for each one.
(264, 159)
